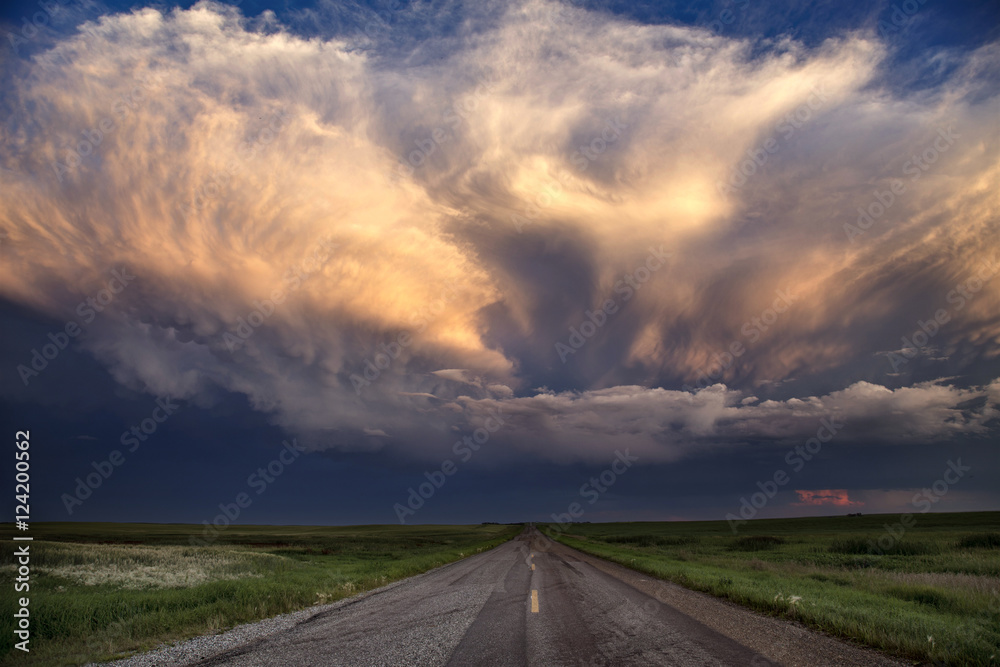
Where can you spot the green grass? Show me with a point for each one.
(99, 591)
(941, 579)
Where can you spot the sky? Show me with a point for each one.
(453, 262)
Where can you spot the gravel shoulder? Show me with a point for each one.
(197, 649)
(775, 641)
(477, 611)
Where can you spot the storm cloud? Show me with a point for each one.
(377, 249)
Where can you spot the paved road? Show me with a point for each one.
(531, 601)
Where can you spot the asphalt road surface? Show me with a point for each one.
(532, 601)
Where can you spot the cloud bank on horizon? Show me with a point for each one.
(613, 234)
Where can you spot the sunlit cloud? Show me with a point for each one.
(396, 245)
(835, 497)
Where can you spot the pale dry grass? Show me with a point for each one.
(138, 567)
(143, 576)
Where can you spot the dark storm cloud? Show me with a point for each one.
(364, 212)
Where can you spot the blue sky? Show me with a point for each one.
(692, 231)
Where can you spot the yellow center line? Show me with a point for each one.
(534, 602)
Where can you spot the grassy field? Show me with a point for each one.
(931, 594)
(99, 590)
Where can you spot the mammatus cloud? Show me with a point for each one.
(397, 244)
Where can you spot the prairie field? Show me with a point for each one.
(100, 591)
(929, 593)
